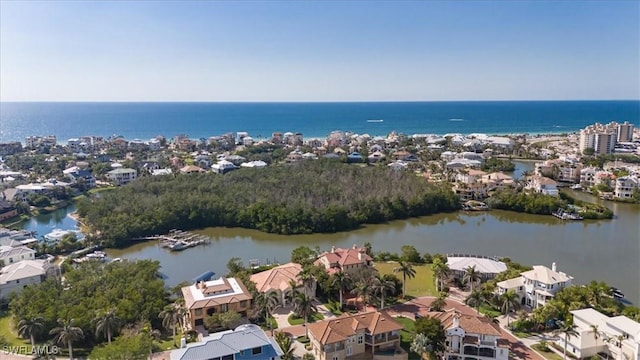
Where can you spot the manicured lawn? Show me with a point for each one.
(421, 285)
(7, 332)
(548, 354)
(407, 335)
(298, 321)
(488, 310)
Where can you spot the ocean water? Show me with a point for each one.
(201, 120)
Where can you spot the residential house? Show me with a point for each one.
(373, 335)
(618, 337)
(80, 176)
(542, 185)
(257, 164)
(205, 298)
(339, 259)
(626, 186)
(535, 287)
(223, 167)
(122, 176)
(487, 267)
(190, 169)
(14, 277)
(497, 181)
(279, 279)
(469, 184)
(7, 210)
(246, 342)
(10, 255)
(471, 337)
(354, 157)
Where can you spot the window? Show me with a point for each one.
(349, 350)
(360, 339)
(17, 281)
(224, 308)
(256, 351)
(227, 357)
(335, 358)
(198, 312)
(243, 303)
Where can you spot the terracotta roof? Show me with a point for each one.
(469, 323)
(340, 329)
(277, 278)
(350, 256)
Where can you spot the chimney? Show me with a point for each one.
(355, 246)
(553, 267)
(333, 249)
(456, 320)
(360, 256)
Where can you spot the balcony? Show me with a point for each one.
(470, 350)
(334, 347)
(382, 338)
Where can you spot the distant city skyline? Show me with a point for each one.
(319, 51)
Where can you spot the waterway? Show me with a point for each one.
(46, 223)
(604, 250)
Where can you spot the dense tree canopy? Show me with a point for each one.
(308, 197)
(133, 288)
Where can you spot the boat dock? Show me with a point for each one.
(178, 240)
(564, 215)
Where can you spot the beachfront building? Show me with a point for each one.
(487, 267)
(618, 337)
(122, 176)
(246, 342)
(602, 138)
(535, 287)
(339, 259)
(16, 276)
(205, 298)
(280, 279)
(471, 337)
(371, 335)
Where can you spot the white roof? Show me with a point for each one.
(511, 283)
(483, 265)
(22, 270)
(199, 295)
(544, 274)
(590, 316)
(625, 324)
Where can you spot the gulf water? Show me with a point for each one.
(202, 120)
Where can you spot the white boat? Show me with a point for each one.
(375, 121)
(576, 187)
(456, 119)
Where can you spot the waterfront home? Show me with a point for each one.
(541, 185)
(246, 342)
(471, 337)
(7, 210)
(535, 287)
(497, 181)
(223, 167)
(280, 278)
(626, 186)
(487, 267)
(122, 176)
(81, 176)
(15, 277)
(205, 298)
(56, 236)
(618, 337)
(339, 259)
(257, 164)
(371, 335)
(564, 169)
(10, 255)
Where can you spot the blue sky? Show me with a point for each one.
(319, 51)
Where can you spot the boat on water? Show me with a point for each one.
(456, 119)
(564, 215)
(177, 246)
(375, 120)
(473, 205)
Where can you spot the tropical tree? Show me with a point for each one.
(266, 303)
(421, 345)
(381, 287)
(30, 327)
(596, 334)
(439, 302)
(170, 319)
(107, 323)
(341, 280)
(292, 292)
(441, 272)
(475, 299)
(304, 307)
(471, 276)
(306, 278)
(286, 344)
(567, 329)
(508, 301)
(66, 334)
(407, 271)
(362, 290)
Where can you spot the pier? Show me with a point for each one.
(177, 240)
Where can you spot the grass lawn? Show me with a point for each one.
(7, 332)
(488, 310)
(421, 285)
(293, 320)
(406, 336)
(547, 353)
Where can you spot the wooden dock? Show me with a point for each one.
(177, 240)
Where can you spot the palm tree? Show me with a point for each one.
(306, 278)
(475, 299)
(30, 327)
(342, 281)
(292, 291)
(285, 343)
(362, 290)
(66, 333)
(421, 345)
(596, 334)
(471, 276)
(441, 272)
(440, 302)
(568, 330)
(267, 303)
(304, 307)
(380, 286)
(406, 270)
(508, 301)
(170, 319)
(107, 323)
